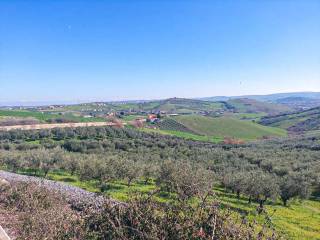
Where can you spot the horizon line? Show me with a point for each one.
(26, 103)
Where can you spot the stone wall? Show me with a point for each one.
(3, 234)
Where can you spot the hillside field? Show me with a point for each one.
(301, 121)
(246, 105)
(228, 127)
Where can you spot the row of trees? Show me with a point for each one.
(261, 171)
(180, 177)
(172, 176)
(262, 186)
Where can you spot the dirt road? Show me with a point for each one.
(56, 125)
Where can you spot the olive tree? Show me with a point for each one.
(293, 186)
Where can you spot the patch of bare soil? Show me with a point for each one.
(55, 125)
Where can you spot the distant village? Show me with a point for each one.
(110, 111)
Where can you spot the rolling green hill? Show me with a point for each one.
(228, 127)
(203, 128)
(182, 105)
(302, 121)
(246, 105)
(177, 105)
(237, 108)
(171, 105)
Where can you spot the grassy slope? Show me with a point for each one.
(180, 105)
(298, 221)
(285, 124)
(45, 116)
(227, 127)
(288, 120)
(250, 105)
(185, 135)
(246, 116)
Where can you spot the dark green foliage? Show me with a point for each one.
(301, 121)
(293, 186)
(106, 154)
(144, 218)
(171, 124)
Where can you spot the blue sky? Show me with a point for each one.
(113, 50)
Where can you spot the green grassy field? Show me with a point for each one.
(245, 105)
(185, 135)
(43, 117)
(299, 221)
(247, 116)
(180, 105)
(228, 127)
(195, 137)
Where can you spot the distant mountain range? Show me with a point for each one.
(296, 100)
(269, 97)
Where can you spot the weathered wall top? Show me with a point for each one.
(3, 234)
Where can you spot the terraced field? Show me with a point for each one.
(172, 125)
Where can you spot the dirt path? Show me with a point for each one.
(56, 125)
(73, 194)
